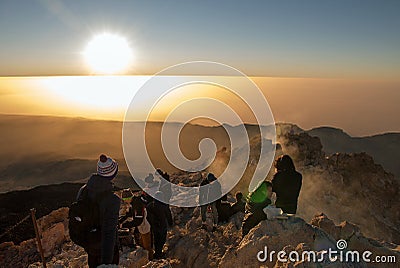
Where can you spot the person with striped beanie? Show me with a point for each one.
(99, 189)
(107, 167)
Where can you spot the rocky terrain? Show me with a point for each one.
(190, 246)
(346, 187)
(358, 197)
(16, 205)
(384, 148)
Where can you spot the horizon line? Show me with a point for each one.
(211, 75)
(197, 124)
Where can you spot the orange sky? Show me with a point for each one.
(360, 107)
(332, 64)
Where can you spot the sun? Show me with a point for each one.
(108, 53)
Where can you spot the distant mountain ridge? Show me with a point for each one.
(384, 148)
(39, 150)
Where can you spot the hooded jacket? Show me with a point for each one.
(101, 189)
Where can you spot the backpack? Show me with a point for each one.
(84, 220)
(137, 211)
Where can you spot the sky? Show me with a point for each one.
(261, 38)
(317, 62)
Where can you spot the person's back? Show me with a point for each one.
(239, 205)
(159, 215)
(215, 191)
(100, 188)
(286, 184)
(210, 192)
(224, 209)
(165, 186)
(203, 192)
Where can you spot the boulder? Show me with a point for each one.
(274, 236)
(56, 216)
(52, 238)
(134, 259)
(355, 239)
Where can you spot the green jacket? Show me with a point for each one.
(258, 199)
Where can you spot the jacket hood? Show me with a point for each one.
(98, 185)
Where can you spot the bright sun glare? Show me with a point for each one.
(108, 53)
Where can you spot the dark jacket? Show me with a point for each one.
(165, 188)
(224, 210)
(159, 216)
(287, 185)
(210, 191)
(101, 189)
(136, 211)
(238, 206)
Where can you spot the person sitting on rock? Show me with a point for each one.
(239, 205)
(210, 189)
(159, 216)
(286, 184)
(256, 201)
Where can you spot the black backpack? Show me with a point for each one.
(136, 212)
(138, 208)
(84, 220)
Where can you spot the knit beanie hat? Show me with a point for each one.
(107, 167)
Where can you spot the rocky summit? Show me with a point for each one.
(190, 246)
(345, 197)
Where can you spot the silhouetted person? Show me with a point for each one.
(165, 186)
(239, 205)
(149, 179)
(210, 190)
(150, 188)
(286, 184)
(224, 209)
(99, 188)
(256, 201)
(136, 218)
(159, 216)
